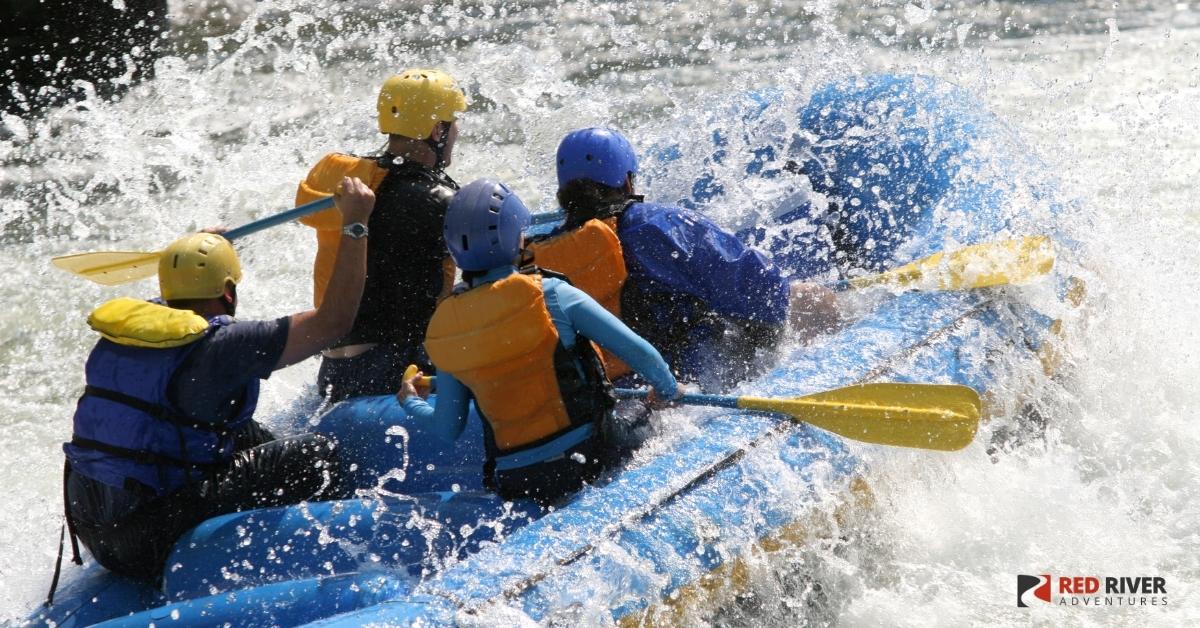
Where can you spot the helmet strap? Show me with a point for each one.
(525, 258)
(439, 145)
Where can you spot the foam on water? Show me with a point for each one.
(259, 90)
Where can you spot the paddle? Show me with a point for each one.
(113, 268)
(546, 217)
(941, 417)
(976, 266)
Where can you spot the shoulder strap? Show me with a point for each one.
(533, 269)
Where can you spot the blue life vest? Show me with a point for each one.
(128, 434)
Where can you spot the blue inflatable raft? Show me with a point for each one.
(899, 167)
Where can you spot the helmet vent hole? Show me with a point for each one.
(175, 262)
(201, 265)
(464, 243)
(395, 111)
(493, 227)
(589, 157)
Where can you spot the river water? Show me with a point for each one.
(251, 93)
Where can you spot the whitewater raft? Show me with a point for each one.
(899, 167)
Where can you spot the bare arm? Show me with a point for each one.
(813, 310)
(317, 329)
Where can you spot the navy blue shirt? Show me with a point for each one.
(209, 383)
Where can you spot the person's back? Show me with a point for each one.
(705, 299)
(406, 264)
(520, 344)
(407, 267)
(163, 436)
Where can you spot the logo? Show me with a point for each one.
(1091, 590)
(1031, 587)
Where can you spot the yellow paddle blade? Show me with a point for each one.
(110, 268)
(977, 266)
(943, 417)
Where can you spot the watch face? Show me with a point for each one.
(356, 230)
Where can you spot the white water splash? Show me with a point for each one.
(259, 90)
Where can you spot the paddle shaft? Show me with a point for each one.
(546, 218)
(691, 399)
(839, 286)
(278, 219)
(322, 204)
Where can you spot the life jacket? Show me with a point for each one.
(127, 433)
(499, 341)
(321, 182)
(591, 256)
(406, 259)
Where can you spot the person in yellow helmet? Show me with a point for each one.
(163, 436)
(408, 268)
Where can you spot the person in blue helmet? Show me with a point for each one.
(710, 303)
(519, 343)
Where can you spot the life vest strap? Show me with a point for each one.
(157, 411)
(138, 456)
(67, 530)
(541, 453)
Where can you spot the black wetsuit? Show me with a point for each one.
(405, 263)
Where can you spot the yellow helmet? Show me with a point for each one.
(197, 267)
(413, 102)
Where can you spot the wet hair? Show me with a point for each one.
(584, 199)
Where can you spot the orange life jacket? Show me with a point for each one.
(321, 182)
(591, 257)
(499, 341)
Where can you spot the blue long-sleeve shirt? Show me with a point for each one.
(707, 301)
(673, 250)
(573, 313)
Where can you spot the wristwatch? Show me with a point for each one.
(355, 230)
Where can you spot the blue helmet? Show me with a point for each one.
(597, 154)
(484, 224)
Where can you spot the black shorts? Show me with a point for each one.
(133, 534)
(376, 371)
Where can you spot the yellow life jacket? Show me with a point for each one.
(499, 341)
(592, 258)
(321, 182)
(137, 323)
